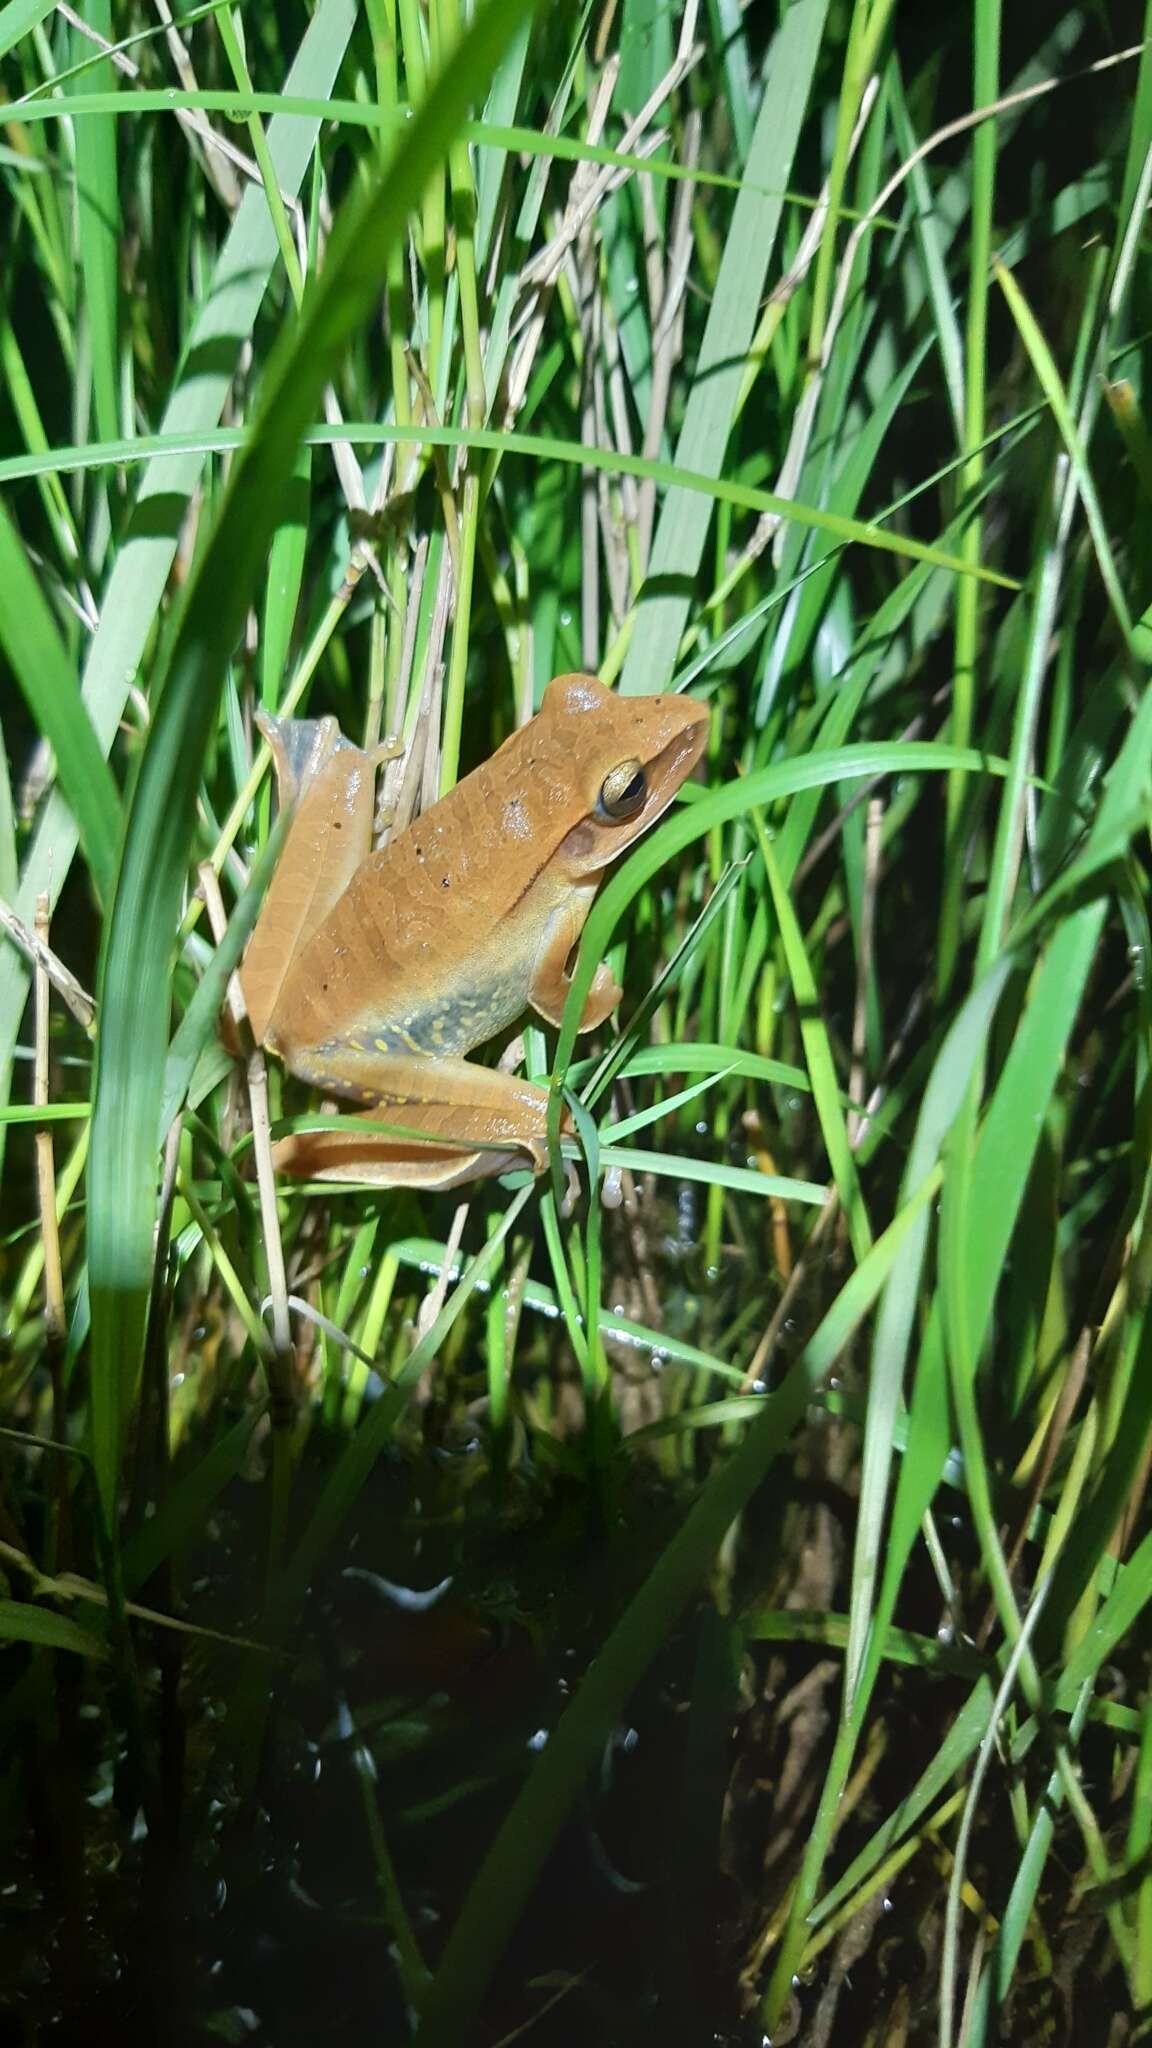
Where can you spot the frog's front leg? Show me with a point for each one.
(551, 981)
(467, 1121)
(331, 787)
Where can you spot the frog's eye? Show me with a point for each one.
(622, 793)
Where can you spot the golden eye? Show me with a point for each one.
(622, 793)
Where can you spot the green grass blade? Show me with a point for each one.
(19, 18)
(98, 227)
(682, 530)
(951, 1075)
(1011, 1128)
(22, 1623)
(199, 1019)
(821, 1069)
(543, 448)
(1051, 383)
(32, 643)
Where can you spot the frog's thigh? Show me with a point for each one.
(467, 1121)
(548, 990)
(331, 786)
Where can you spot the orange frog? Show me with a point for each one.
(372, 975)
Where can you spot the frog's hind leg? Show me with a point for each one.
(456, 1122)
(330, 786)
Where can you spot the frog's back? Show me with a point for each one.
(430, 948)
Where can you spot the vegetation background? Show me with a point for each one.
(722, 1613)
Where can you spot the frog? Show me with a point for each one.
(371, 975)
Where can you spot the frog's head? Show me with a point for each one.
(628, 757)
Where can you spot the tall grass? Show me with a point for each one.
(387, 362)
